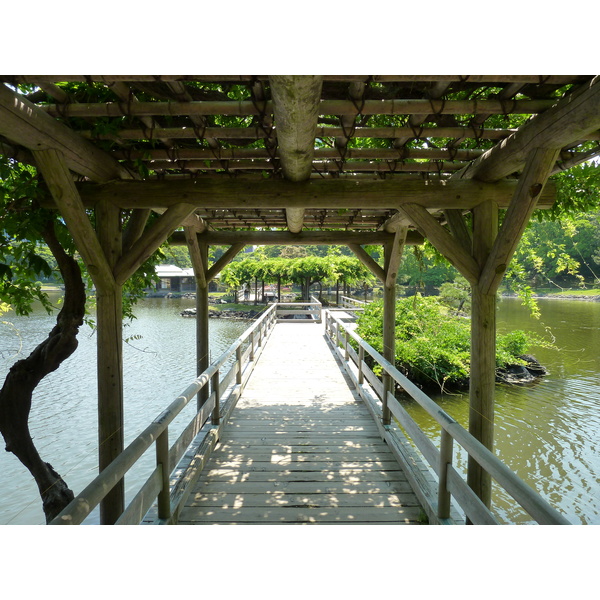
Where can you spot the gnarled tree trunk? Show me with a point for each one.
(24, 376)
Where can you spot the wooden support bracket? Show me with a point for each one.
(150, 240)
(443, 241)
(366, 260)
(229, 255)
(395, 257)
(55, 171)
(531, 183)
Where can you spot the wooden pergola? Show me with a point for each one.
(355, 160)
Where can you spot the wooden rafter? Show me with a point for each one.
(569, 120)
(29, 126)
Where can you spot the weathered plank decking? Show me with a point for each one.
(300, 447)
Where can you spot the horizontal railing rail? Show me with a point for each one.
(160, 487)
(348, 302)
(451, 483)
(300, 311)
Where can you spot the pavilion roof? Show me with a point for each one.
(297, 152)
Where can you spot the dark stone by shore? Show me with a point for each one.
(521, 374)
(223, 314)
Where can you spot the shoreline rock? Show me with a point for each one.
(525, 374)
(223, 314)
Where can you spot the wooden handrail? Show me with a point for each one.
(528, 499)
(157, 432)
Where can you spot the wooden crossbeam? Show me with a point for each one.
(326, 107)
(219, 193)
(306, 238)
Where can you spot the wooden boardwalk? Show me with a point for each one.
(300, 448)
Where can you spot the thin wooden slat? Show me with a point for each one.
(326, 107)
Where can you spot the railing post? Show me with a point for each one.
(252, 345)
(361, 358)
(446, 446)
(162, 461)
(238, 358)
(216, 386)
(346, 353)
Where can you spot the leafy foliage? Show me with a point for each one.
(432, 345)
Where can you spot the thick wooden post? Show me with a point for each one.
(392, 256)
(483, 351)
(110, 360)
(202, 338)
(389, 343)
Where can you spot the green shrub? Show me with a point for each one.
(432, 345)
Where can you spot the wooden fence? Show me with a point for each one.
(351, 350)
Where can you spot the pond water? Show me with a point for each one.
(63, 421)
(547, 433)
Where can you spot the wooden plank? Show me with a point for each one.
(407, 514)
(285, 499)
